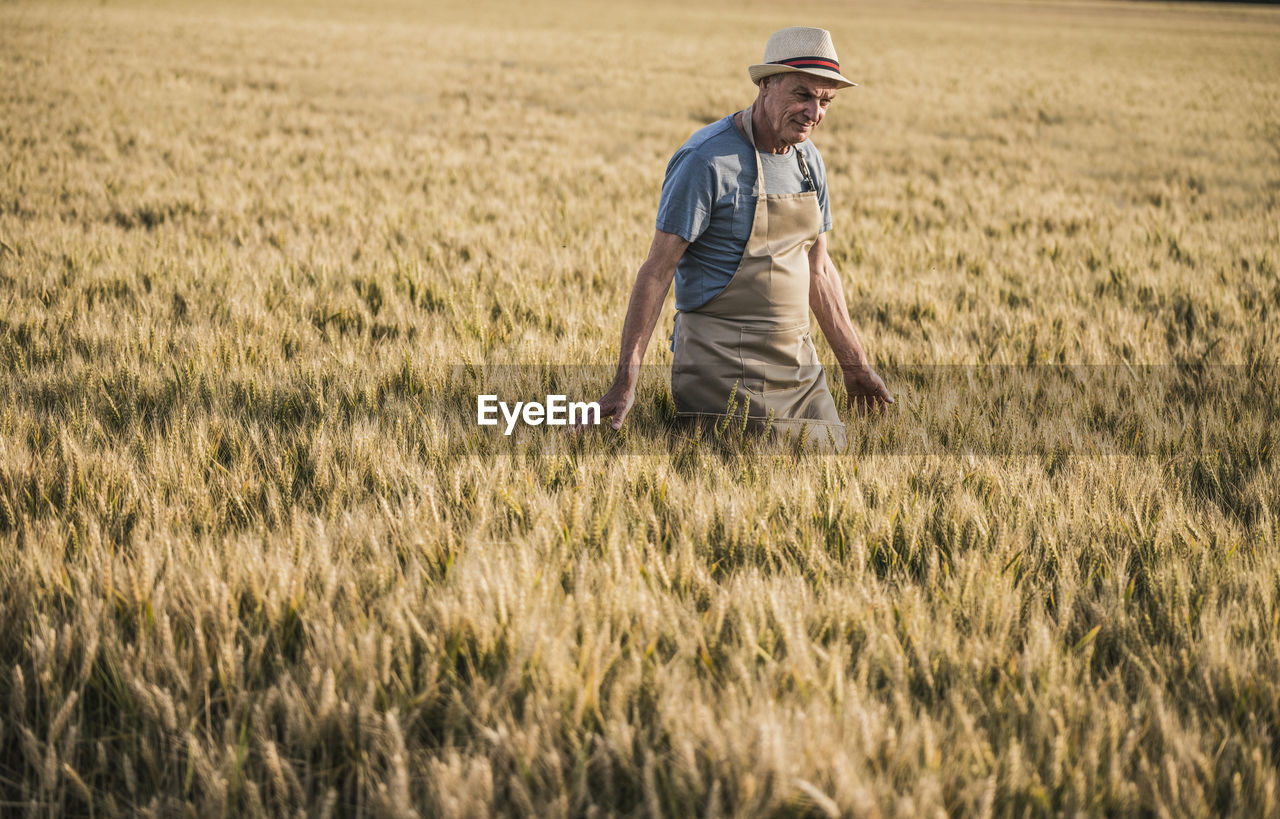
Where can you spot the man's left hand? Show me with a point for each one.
(866, 390)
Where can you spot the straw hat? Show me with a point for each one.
(803, 49)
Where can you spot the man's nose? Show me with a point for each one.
(813, 111)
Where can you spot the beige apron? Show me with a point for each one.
(751, 340)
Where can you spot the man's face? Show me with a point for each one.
(795, 103)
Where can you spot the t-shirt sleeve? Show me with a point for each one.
(688, 192)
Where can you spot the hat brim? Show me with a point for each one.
(759, 72)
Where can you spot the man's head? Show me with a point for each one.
(791, 105)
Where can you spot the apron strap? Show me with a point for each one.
(751, 138)
(804, 167)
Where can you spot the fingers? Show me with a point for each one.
(866, 403)
(868, 393)
(615, 408)
(619, 417)
(585, 423)
(618, 413)
(606, 410)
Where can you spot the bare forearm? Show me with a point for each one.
(650, 289)
(826, 298)
(865, 388)
(642, 316)
(652, 282)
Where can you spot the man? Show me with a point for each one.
(741, 228)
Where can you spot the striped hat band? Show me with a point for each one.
(808, 62)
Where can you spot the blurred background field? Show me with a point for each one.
(257, 260)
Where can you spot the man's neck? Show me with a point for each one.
(766, 139)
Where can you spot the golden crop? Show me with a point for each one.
(257, 260)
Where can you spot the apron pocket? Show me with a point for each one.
(777, 360)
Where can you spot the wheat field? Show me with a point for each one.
(257, 261)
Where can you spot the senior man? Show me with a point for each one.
(741, 227)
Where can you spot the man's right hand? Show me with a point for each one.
(616, 403)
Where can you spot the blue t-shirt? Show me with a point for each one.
(709, 200)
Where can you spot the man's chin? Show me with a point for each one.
(801, 136)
